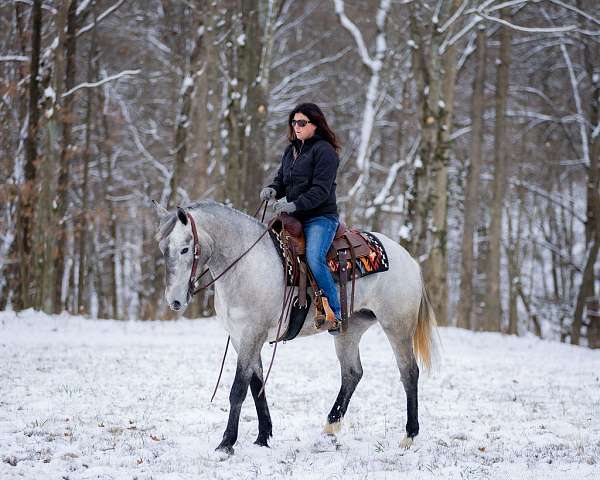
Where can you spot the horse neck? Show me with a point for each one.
(230, 232)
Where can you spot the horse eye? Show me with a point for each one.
(184, 251)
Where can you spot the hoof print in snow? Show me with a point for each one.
(326, 443)
(11, 460)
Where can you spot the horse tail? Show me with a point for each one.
(423, 338)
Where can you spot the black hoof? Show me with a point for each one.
(261, 442)
(227, 449)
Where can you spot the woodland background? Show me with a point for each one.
(470, 134)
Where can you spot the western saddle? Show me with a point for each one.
(348, 245)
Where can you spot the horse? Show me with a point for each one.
(248, 298)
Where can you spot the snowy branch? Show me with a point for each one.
(101, 17)
(576, 10)
(101, 82)
(13, 58)
(307, 68)
(559, 200)
(393, 173)
(355, 32)
(580, 114)
(454, 16)
(140, 146)
(568, 28)
(452, 40)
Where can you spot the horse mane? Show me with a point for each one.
(169, 220)
(212, 204)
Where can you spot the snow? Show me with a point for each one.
(83, 399)
(188, 82)
(50, 94)
(404, 232)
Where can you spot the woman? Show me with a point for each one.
(305, 188)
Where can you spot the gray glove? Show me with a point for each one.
(283, 206)
(267, 193)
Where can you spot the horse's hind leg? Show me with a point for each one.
(409, 371)
(265, 427)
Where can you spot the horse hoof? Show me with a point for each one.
(406, 443)
(226, 450)
(261, 442)
(332, 428)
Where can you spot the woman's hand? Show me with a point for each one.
(267, 193)
(283, 206)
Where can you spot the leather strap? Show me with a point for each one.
(343, 274)
(302, 287)
(353, 256)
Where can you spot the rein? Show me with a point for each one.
(193, 289)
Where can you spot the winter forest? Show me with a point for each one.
(470, 133)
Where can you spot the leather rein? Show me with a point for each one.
(194, 288)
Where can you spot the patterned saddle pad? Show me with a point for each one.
(376, 261)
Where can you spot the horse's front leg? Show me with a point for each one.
(239, 389)
(248, 372)
(265, 427)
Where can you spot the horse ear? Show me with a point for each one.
(182, 215)
(161, 211)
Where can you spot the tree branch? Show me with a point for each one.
(100, 82)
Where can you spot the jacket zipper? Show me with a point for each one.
(293, 163)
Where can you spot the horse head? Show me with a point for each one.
(186, 248)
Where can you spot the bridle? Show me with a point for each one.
(193, 288)
(193, 282)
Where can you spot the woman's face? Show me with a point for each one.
(307, 131)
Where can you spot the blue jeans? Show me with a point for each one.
(319, 233)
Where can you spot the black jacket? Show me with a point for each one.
(309, 179)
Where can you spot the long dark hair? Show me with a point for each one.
(316, 117)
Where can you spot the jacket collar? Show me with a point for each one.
(309, 141)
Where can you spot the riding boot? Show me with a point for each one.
(327, 319)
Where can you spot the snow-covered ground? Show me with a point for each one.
(83, 399)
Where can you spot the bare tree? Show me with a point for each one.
(465, 306)
(493, 304)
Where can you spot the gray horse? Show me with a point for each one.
(249, 297)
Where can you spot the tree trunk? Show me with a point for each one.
(593, 312)
(183, 121)
(438, 259)
(435, 77)
(587, 285)
(255, 113)
(587, 288)
(493, 304)
(465, 304)
(28, 191)
(82, 306)
(62, 193)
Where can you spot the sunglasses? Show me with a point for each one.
(300, 123)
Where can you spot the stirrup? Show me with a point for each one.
(336, 329)
(327, 318)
